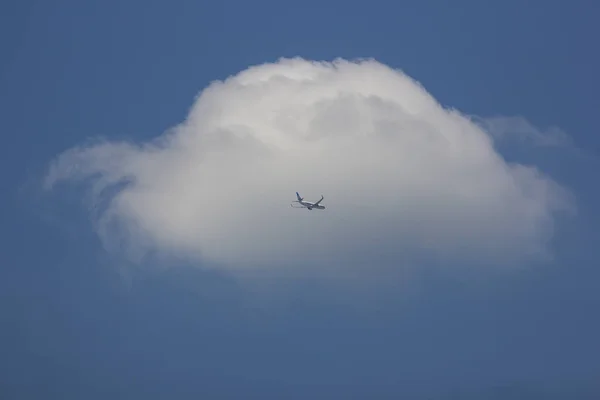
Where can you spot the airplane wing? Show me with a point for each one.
(317, 203)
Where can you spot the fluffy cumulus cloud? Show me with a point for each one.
(404, 178)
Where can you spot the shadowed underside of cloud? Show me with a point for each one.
(403, 178)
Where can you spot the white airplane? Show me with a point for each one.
(307, 204)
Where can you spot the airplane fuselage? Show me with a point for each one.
(310, 206)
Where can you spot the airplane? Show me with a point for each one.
(307, 204)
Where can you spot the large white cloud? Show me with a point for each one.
(403, 177)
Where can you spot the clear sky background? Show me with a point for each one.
(74, 327)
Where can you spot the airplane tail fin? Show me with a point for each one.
(298, 197)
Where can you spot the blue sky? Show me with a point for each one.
(72, 328)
